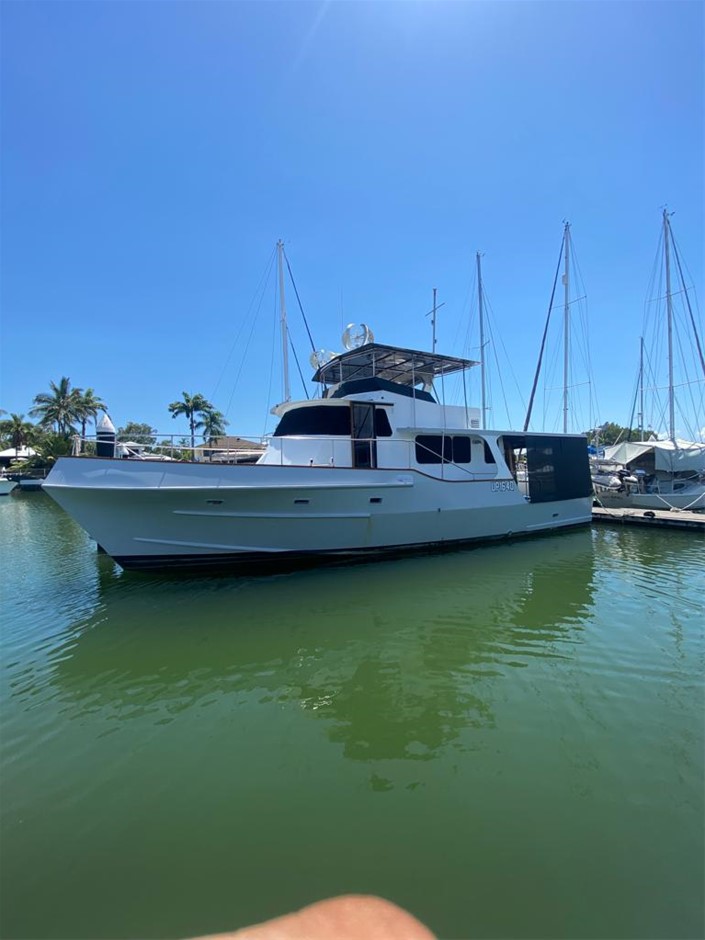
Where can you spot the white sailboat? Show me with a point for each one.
(376, 465)
(666, 473)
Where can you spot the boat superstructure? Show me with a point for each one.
(375, 465)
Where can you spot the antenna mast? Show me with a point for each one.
(641, 387)
(566, 326)
(482, 340)
(282, 321)
(433, 321)
(432, 313)
(669, 309)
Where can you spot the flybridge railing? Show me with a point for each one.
(165, 447)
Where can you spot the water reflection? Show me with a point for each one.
(399, 658)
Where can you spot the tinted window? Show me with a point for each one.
(434, 448)
(461, 450)
(429, 448)
(323, 420)
(558, 467)
(382, 426)
(542, 473)
(488, 454)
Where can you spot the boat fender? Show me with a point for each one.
(649, 514)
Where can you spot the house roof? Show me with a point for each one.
(229, 442)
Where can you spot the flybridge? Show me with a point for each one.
(403, 366)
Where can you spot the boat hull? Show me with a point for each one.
(245, 517)
(693, 501)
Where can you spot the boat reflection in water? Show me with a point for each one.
(517, 721)
(400, 659)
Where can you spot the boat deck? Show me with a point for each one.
(658, 518)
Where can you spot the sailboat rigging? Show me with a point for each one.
(481, 316)
(668, 472)
(568, 401)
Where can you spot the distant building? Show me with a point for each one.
(13, 454)
(228, 449)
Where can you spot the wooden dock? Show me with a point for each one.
(656, 518)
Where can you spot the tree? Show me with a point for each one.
(139, 433)
(59, 408)
(611, 433)
(213, 424)
(17, 431)
(49, 445)
(89, 406)
(191, 406)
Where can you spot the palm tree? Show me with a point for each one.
(17, 430)
(90, 405)
(213, 424)
(60, 407)
(191, 406)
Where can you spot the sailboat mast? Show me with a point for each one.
(641, 388)
(433, 321)
(282, 321)
(481, 310)
(669, 310)
(566, 325)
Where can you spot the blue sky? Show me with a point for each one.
(153, 153)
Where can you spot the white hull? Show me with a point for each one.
(693, 499)
(192, 515)
(6, 487)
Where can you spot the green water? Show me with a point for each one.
(507, 741)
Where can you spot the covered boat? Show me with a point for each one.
(662, 475)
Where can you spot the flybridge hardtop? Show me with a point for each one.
(407, 367)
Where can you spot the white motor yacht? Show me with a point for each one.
(376, 465)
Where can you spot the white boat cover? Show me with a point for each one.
(669, 455)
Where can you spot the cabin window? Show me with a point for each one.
(436, 448)
(542, 473)
(489, 456)
(382, 426)
(319, 420)
(328, 421)
(429, 448)
(461, 449)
